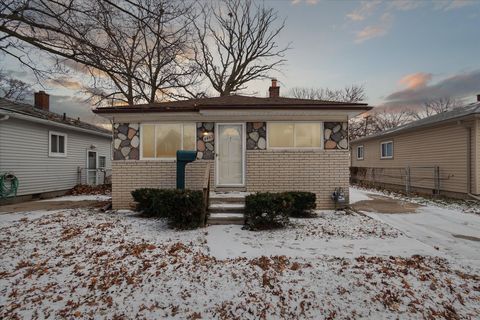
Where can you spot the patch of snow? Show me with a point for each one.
(226, 215)
(7, 218)
(79, 263)
(229, 194)
(227, 205)
(448, 230)
(89, 197)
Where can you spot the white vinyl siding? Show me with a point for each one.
(24, 151)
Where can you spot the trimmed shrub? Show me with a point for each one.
(303, 204)
(267, 210)
(184, 209)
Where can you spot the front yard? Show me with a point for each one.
(80, 263)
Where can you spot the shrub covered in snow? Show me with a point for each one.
(303, 203)
(267, 210)
(184, 209)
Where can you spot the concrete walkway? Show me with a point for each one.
(452, 232)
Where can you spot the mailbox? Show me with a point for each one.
(183, 157)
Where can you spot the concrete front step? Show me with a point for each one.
(226, 208)
(226, 218)
(217, 200)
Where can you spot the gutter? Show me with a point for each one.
(387, 134)
(229, 107)
(7, 115)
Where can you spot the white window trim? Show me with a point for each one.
(96, 165)
(57, 154)
(99, 167)
(294, 138)
(155, 142)
(381, 153)
(363, 152)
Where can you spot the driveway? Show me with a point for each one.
(450, 231)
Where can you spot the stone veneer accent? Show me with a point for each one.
(128, 175)
(205, 144)
(256, 135)
(126, 141)
(316, 171)
(335, 135)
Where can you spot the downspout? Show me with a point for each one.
(469, 159)
(469, 162)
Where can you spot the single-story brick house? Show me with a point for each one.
(253, 144)
(438, 154)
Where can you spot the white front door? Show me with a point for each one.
(229, 155)
(92, 167)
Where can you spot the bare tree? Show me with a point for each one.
(13, 89)
(237, 43)
(133, 49)
(386, 120)
(353, 93)
(433, 107)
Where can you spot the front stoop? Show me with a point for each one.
(226, 208)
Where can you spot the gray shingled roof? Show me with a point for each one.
(460, 112)
(28, 110)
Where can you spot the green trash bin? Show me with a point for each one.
(183, 157)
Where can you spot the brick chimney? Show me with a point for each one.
(274, 90)
(42, 100)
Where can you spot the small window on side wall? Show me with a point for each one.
(386, 150)
(57, 144)
(102, 160)
(360, 153)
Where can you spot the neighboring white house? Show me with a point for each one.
(50, 153)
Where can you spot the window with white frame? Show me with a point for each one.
(360, 152)
(386, 150)
(299, 135)
(162, 140)
(57, 144)
(102, 162)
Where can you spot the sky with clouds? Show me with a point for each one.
(403, 51)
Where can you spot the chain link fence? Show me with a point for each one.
(409, 179)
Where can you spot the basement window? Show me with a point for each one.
(161, 141)
(386, 150)
(360, 151)
(57, 144)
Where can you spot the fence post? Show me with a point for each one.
(437, 180)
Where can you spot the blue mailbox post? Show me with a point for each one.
(183, 157)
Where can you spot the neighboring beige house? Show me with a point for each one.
(438, 154)
(253, 144)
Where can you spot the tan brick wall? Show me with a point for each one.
(128, 175)
(266, 170)
(315, 171)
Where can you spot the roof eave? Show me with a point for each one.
(350, 107)
(408, 129)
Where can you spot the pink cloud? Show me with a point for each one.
(416, 80)
(375, 31)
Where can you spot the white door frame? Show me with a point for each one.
(88, 167)
(217, 140)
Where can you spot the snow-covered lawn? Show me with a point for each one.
(79, 263)
(449, 228)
